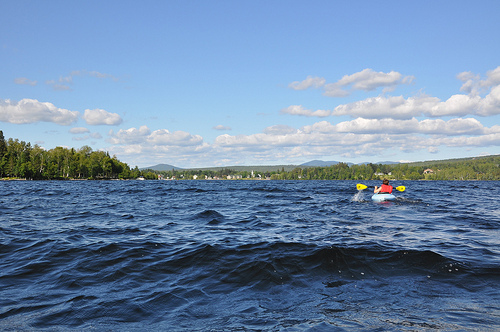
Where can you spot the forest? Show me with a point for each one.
(21, 160)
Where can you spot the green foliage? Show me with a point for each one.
(19, 159)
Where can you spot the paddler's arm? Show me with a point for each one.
(377, 189)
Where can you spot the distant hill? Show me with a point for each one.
(162, 167)
(388, 162)
(321, 163)
(312, 163)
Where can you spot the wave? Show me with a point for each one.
(132, 281)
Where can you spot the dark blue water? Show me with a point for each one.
(248, 255)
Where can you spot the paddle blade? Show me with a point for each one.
(361, 186)
(401, 188)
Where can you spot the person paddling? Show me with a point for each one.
(385, 188)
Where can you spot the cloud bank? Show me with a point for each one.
(399, 107)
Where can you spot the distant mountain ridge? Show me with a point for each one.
(257, 168)
(162, 167)
(312, 163)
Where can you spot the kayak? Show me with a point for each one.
(383, 197)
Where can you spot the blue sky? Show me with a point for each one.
(219, 83)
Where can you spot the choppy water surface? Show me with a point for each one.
(248, 255)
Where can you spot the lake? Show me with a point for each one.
(249, 256)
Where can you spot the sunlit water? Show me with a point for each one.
(248, 255)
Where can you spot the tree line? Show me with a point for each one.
(481, 168)
(19, 159)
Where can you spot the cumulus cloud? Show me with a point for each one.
(160, 137)
(398, 107)
(490, 105)
(451, 127)
(366, 80)
(101, 117)
(456, 105)
(482, 97)
(25, 81)
(32, 111)
(473, 84)
(282, 143)
(159, 145)
(310, 81)
(369, 80)
(395, 107)
(176, 138)
(130, 136)
(299, 110)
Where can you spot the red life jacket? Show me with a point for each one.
(385, 189)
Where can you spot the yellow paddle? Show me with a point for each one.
(360, 186)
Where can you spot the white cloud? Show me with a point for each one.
(130, 136)
(398, 107)
(161, 137)
(456, 105)
(401, 108)
(32, 111)
(310, 81)
(472, 104)
(79, 130)
(221, 127)
(493, 77)
(387, 107)
(366, 80)
(24, 81)
(320, 127)
(369, 80)
(490, 105)
(451, 127)
(159, 145)
(335, 90)
(176, 138)
(358, 137)
(299, 110)
(473, 84)
(101, 117)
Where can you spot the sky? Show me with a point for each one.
(223, 83)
